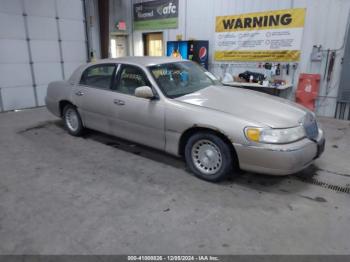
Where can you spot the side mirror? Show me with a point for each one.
(144, 92)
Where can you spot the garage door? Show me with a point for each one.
(40, 41)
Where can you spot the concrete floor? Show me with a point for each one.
(100, 195)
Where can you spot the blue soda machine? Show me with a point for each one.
(191, 50)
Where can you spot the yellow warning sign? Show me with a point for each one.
(264, 36)
(265, 56)
(288, 18)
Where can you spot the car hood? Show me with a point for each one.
(250, 105)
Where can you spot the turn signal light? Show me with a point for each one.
(253, 134)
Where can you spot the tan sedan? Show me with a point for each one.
(176, 106)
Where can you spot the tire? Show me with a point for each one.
(209, 157)
(72, 120)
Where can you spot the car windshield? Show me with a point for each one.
(182, 78)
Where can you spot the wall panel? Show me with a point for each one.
(17, 97)
(30, 54)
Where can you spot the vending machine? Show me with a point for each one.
(196, 50)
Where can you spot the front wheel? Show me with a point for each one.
(72, 120)
(209, 157)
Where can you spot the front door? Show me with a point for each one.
(138, 119)
(153, 44)
(118, 46)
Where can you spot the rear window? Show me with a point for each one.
(98, 76)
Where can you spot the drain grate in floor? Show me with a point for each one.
(316, 182)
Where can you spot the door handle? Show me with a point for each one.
(118, 102)
(79, 93)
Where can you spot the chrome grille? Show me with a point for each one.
(310, 126)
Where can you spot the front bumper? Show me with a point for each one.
(280, 159)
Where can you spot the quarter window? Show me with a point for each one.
(131, 77)
(98, 76)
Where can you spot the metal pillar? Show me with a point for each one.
(31, 63)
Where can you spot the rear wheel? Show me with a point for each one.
(209, 157)
(72, 120)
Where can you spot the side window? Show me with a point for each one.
(98, 76)
(130, 78)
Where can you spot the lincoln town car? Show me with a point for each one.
(176, 106)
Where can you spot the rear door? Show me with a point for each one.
(137, 119)
(93, 96)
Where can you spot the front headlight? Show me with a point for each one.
(275, 136)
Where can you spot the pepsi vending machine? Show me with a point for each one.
(191, 50)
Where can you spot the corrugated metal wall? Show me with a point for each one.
(40, 41)
(326, 23)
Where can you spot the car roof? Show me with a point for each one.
(140, 60)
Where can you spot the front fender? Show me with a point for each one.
(180, 117)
